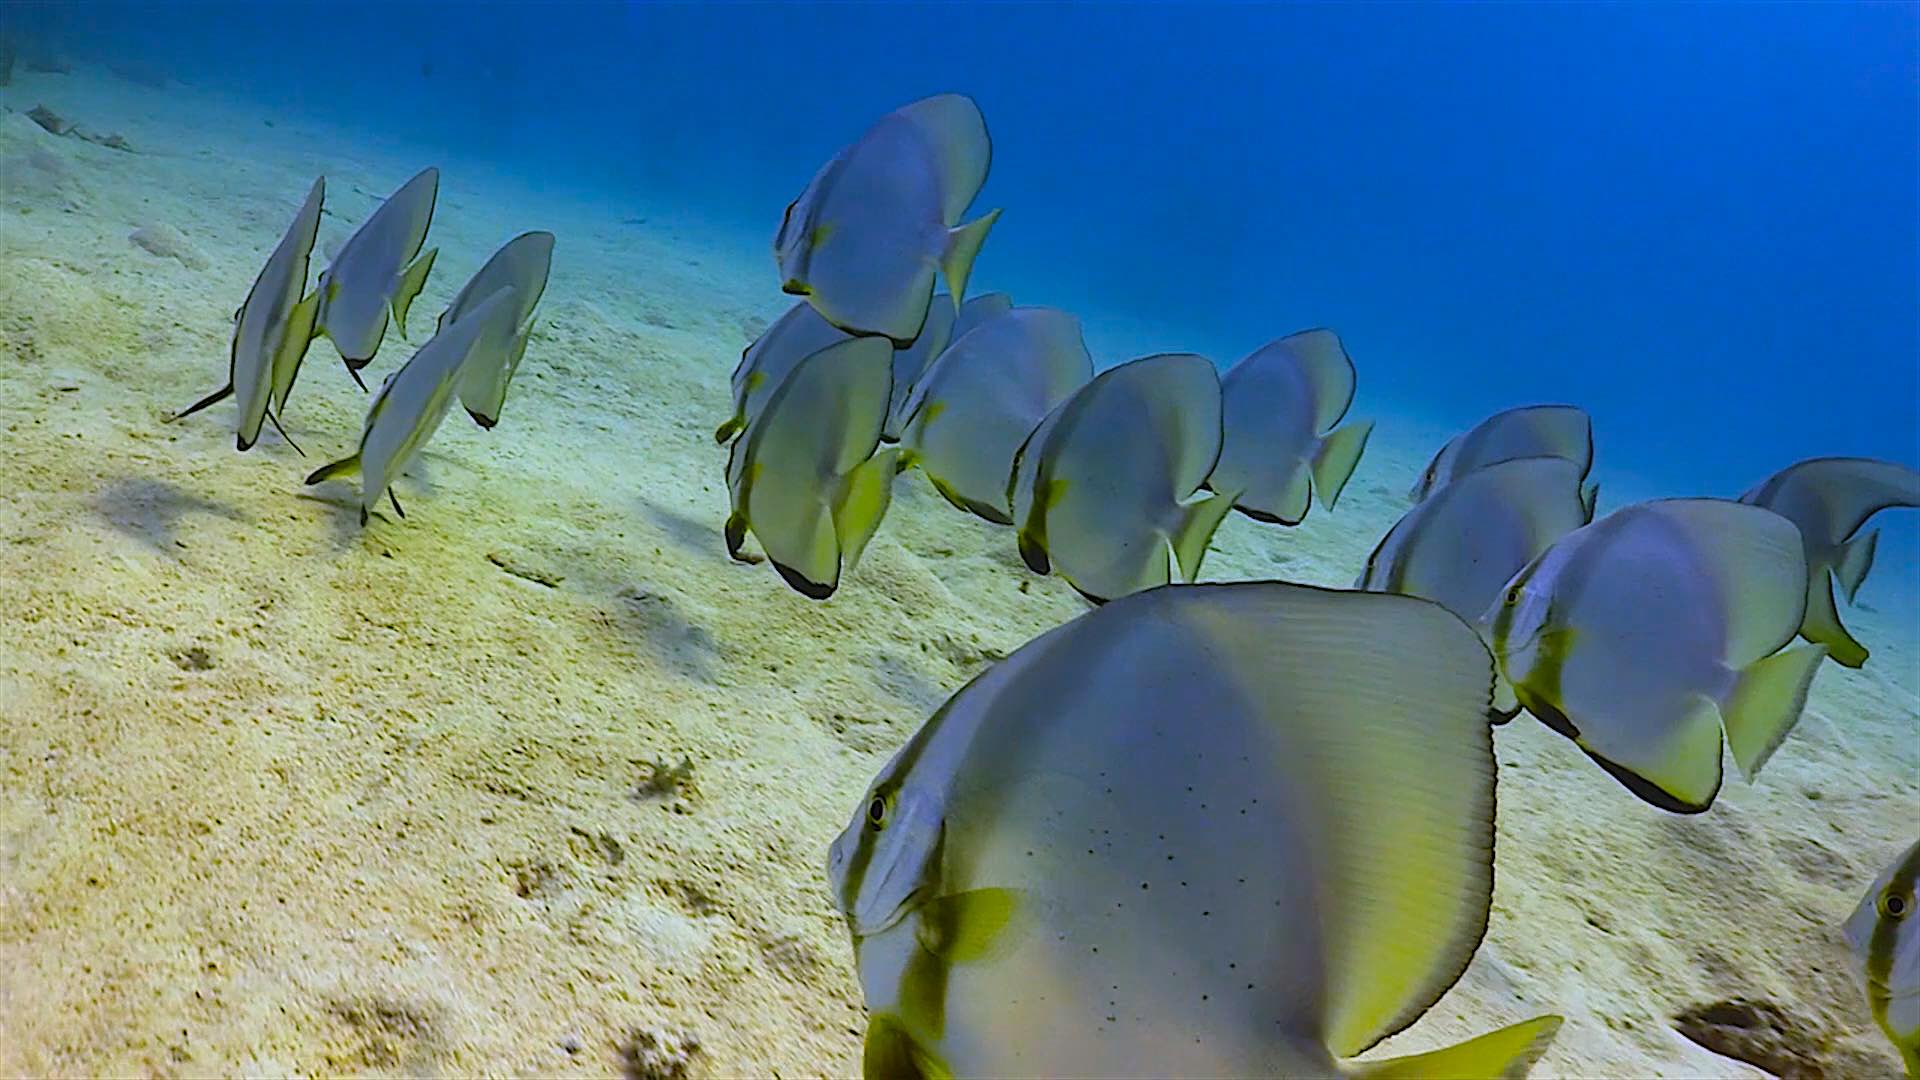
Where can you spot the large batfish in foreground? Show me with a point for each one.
(1884, 933)
(1830, 499)
(877, 224)
(271, 330)
(1531, 431)
(1106, 490)
(1280, 405)
(1206, 830)
(522, 263)
(378, 270)
(981, 399)
(1461, 545)
(944, 327)
(804, 478)
(412, 402)
(1647, 633)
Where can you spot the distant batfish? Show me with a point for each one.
(1461, 545)
(523, 263)
(864, 242)
(944, 327)
(1204, 831)
(1645, 634)
(271, 330)
(981, 399)
(412, 402)
(1830, 499)
(377, 271)
(804, 477)
(1885, 935)
(1280, 404)
(1105, 489)
(765, 364)
(1533, 431)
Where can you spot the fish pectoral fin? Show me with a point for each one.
(1508, 1052)
(1856, 558)
(963, 246)
(1766, 702)
(728, 429)
(211, 399)
(968, 927)
(1335, 458)
(861, 502)
(347, 466)
(408, 287)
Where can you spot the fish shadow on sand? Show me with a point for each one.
(151, 510)
(696, 536)
(677, 642)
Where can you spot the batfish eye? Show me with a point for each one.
(1513, 596)
(877, 811)
(1893, 907)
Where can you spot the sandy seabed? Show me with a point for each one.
(536, 780)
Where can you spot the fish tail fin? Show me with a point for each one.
(1334, 460)
(1197, 525)
(1822, 625)
(861, 502)
(211, 399)
(411, 281)
(346, 466)
(963, 246)
(1856, 558)
(1508, 1052)
(1590, 499)
(1765, 703)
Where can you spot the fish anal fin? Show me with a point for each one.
(963, 246)
(412, 279)
(1765, 704)
(1335, 458)
(1507, 1053)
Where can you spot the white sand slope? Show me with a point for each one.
(281, 795)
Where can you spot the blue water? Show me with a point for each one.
(1697, 222)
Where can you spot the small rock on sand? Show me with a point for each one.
(169, 243)
(50, 120)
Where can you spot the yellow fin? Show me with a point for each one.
(347, 466)
(963, 246)
(892, 1053)
(1508, 1052)
(1765, 704)
(1197, 527)
(293, 349)
(1821, 624)
(1334, 461)
(411, 281)
(862, 501)
(968, 927)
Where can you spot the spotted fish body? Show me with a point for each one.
(1201, 831)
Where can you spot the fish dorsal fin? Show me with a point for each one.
(1563, 431)
(1851, 490)
(1758, 567)
(956, 134)
(1386, 699)
(1326, 369)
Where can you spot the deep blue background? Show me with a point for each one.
(1698, 222)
